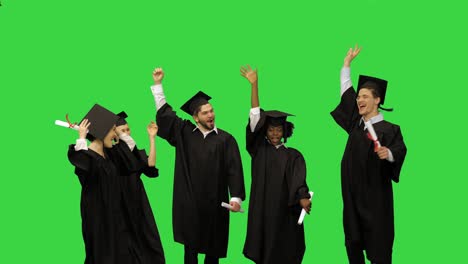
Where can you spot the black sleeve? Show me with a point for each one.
(79, 159)
(234, 169)
(298, 187)
(169, 124)
(82, 162)
(124, 159)
(398, 148)
(257, 137)
(346, 114)
(151, 172)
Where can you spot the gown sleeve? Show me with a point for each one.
(257, 137)
(346, 114)
(398, 148)
(151, 172)
(234, 171)
(79, 159)
(298, 186)
(169, 124)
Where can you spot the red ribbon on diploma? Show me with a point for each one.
(70, 125)
(376, 142)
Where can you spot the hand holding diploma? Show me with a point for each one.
(304, 211)
(232, 206)
(382, 152)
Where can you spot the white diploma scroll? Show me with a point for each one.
(303, 212)
(372, 133)
(228, 206)
(65, 124)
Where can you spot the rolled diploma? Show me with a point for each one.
(65, 124)
(371, 130)
(228, 206)
(303, 212)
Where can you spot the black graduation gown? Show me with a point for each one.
(100, 206)
(206, 170)
(145, 241)
(366, 181)
(278, 183)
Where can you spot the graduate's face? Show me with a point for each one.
(206, 117)
(123, 129)
(111, 135)
(367, 104)
(274, 134)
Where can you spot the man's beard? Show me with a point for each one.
(206, 126)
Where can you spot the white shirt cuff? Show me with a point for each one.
(128, 140)
(237, 200)
(254, 117)
(345, 79)
(159, 97)
(81, 144)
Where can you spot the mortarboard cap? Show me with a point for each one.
(193, 103)
(276, 117)
(121, 121)
(102, 120)
(377, 84)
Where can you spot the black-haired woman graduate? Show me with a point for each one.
(279, 190)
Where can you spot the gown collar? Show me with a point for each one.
(215, 129)
(372, 120)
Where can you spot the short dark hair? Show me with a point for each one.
(198, 109)
(375, 92)
(90, 137)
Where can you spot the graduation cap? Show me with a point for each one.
(278, 118)
(379, 85)
(102, 120)
(121, 121)
(193, 103)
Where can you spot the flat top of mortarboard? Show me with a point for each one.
(102, 120)
(276, 118)
(372, 82)
(277, 114)
(193, 103)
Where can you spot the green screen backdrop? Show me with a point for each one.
(59, 57)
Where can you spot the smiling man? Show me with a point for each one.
(368, 167)
(207, 169)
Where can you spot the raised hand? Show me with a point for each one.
(249, 74)
(158, 75)
(83, 130)
(351, 55)
(152, 129)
